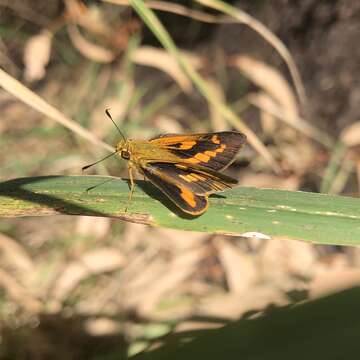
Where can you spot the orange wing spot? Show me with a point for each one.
(184, 177)
(187, 145)
(221, 148)
(188, 197)
(192, 178)
(188, 178)
(215, 139)
(210, 153)
(193, 160)
(202, 157)
(198, 177)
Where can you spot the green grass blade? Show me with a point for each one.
(318, 218)
(337, 158)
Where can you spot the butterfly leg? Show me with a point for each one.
(132, 185)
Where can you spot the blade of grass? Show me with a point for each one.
(294, 121)
(235, 15)
(263, 31)
(163, 36)
(337, 156)
(347, 168)
(20, 91)
(317, 218)
(241, 17)
(179, 10)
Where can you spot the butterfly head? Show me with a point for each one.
(123, 149)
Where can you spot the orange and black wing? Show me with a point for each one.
(212, 150)
(188, 188)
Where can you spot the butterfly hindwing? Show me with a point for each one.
(212, 150)
(175, 188)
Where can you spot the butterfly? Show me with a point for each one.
(186, 168)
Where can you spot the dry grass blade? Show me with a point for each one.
(347, 167)
(217, 120)
(269, 79)
(20, 91)
(179, 10)
(269, 106)
(268, 121)
(160, 59)
(91, 263)
(258, 145)
(338, 154)
(271, 38)
(89, 50)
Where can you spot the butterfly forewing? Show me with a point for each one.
(200, 181)
(212, 150)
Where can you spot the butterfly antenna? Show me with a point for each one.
(110, 117)
(96, 162)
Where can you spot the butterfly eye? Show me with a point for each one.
(125, 155)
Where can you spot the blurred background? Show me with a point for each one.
(85, 287)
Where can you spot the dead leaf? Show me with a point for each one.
(102, 327)
(239, 267)
(90, 50)
(176, 240)
(89, 17)
(18, 293)
(269, 79)
(91, 263)
(162, 60)
(155, 282)
(15, 255)
(286, 262)
(268, 121)
(233, 305)
(37, 55)
(179, 270)
(133, 236)
(96, 227)
(351, 134)
(333, 281)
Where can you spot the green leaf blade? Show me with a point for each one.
(317, 218)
